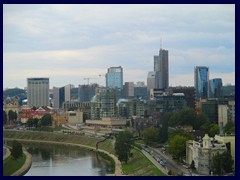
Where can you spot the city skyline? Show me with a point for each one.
(68, 43)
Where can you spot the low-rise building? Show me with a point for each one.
(202, 153)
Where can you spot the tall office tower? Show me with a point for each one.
(201, 77)
(103, 104)
(86, 92)
(114, 78)
(215, 88)
(151, 80)
(38, 92)
(128, 89)
(161, 69)
(61, 95)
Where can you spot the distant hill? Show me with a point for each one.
(21, 93)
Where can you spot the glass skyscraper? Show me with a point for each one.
(201, 77)
(61, 95)
(215, 88)
(114, 78)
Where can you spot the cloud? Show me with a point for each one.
(66, 41)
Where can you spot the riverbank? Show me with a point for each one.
(16, 168)
(118, 166)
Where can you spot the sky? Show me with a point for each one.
(69, 43)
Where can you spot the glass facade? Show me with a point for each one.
(201, 77)
(114, 77)
(215, 88)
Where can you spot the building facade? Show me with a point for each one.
(201, 78)
(61, 95)
(161, 69)
(86, 92)
(202, 153)
(215, 88)
(128, 89)
(151, 80)
(38, 92)
(114, 77)
(103, 104)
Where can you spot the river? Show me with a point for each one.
(59, 160)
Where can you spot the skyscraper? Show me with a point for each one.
(201, 77)
(114, 78)
(215, 88)
(151, 80)
(61, 95)
(38, 92)
(161, 69)
(86, 92)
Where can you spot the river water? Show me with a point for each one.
(59, 160)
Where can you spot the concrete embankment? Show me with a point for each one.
(118, 166)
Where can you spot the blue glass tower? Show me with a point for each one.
(201, 77)
(114, 78)
(215, 88)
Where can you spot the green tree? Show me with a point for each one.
(30, 122)
(222, 163)
(214, 129)
(12, 115)
(46, 120)
(34, 108)
(182, 133)
(150, 135)
(201, 119)
(187, 116)
(4, 117)
(177, 146)
(16, 150)
(229, 127)
(123, 146)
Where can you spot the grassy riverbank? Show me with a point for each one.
(10, 165)
(138, 165)
(55, 137)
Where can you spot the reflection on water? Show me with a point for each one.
(59, 160)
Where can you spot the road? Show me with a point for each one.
(170, 164)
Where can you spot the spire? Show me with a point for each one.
(161, 43)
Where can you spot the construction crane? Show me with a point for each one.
(88, 79)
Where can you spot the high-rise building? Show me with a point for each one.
(129, 89)
(151, 80)
(61, 95)
(114, 77)
(103, 104)
(38, 92)
(215, 88)
(201, 77)
(161, 69)
(86, 92)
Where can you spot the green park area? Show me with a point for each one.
(10, 165)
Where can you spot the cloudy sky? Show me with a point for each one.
(68, 43)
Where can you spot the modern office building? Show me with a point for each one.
(38, 92)
(140, 92)
(215, 88)
(86, 92)
(161, 69)
(201, 77)
(103, 104)
(189, 93)
(114, 77)
(151, 80)
(128, 89)
(61, 95)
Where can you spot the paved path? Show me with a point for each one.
(118, 166)
(6, 152)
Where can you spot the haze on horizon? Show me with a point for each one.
(68, 43)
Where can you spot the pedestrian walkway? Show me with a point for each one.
(6, 152)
